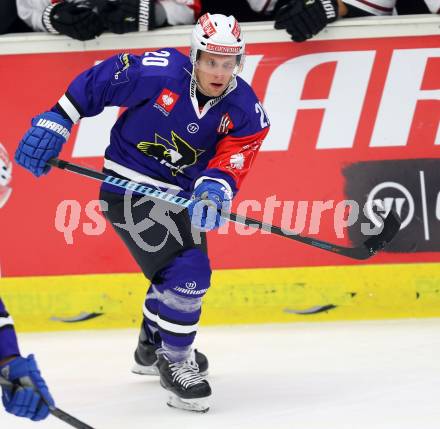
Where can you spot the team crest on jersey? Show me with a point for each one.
(225, 125)
(166, 101)
(121, 70)
(176, 154)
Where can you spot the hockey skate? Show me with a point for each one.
(146, 360)
(188, 390)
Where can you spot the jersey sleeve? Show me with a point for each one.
(120, 80)
(180, 12)
(8, 338)
(262, 6)
(237, 150)
(374, 7)
(433, 6)
(31, 12)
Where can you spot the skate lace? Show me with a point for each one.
(184, 373)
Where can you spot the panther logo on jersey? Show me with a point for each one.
(177, 154)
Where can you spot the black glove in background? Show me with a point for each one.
(302, 19)
(76, 20)
(125, 16)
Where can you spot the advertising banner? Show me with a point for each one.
(354, 134)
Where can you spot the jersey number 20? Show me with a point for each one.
(157, 58)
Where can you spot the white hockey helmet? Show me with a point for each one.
(218, 34)
(5, 176)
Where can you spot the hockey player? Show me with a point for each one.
(23, 400)
(30, 396)
(191, 127)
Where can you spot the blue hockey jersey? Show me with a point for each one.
(8, 339)
(164, 137)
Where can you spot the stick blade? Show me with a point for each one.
(391, 226)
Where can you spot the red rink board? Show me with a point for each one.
(303, 168)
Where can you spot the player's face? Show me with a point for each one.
(214, 72)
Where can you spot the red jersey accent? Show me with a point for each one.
(235, 155)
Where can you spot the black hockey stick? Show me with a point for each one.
(391, 224)
(62, 415)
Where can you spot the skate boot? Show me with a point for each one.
(145, 359)
(188, 390)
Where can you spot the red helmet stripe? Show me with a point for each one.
(236, 30)
(207, 25)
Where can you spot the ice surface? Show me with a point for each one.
(347, 375)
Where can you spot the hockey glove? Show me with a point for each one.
(302, 19)
(42, 141)
(76, 20)
(125, 16)
(30, 396)
(208, 199)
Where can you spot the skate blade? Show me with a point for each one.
(198, 405)
(144, 370)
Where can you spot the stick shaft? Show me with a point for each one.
(361, 252)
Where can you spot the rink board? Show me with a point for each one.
(386, 154)
(354, 73)
(236, 296)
